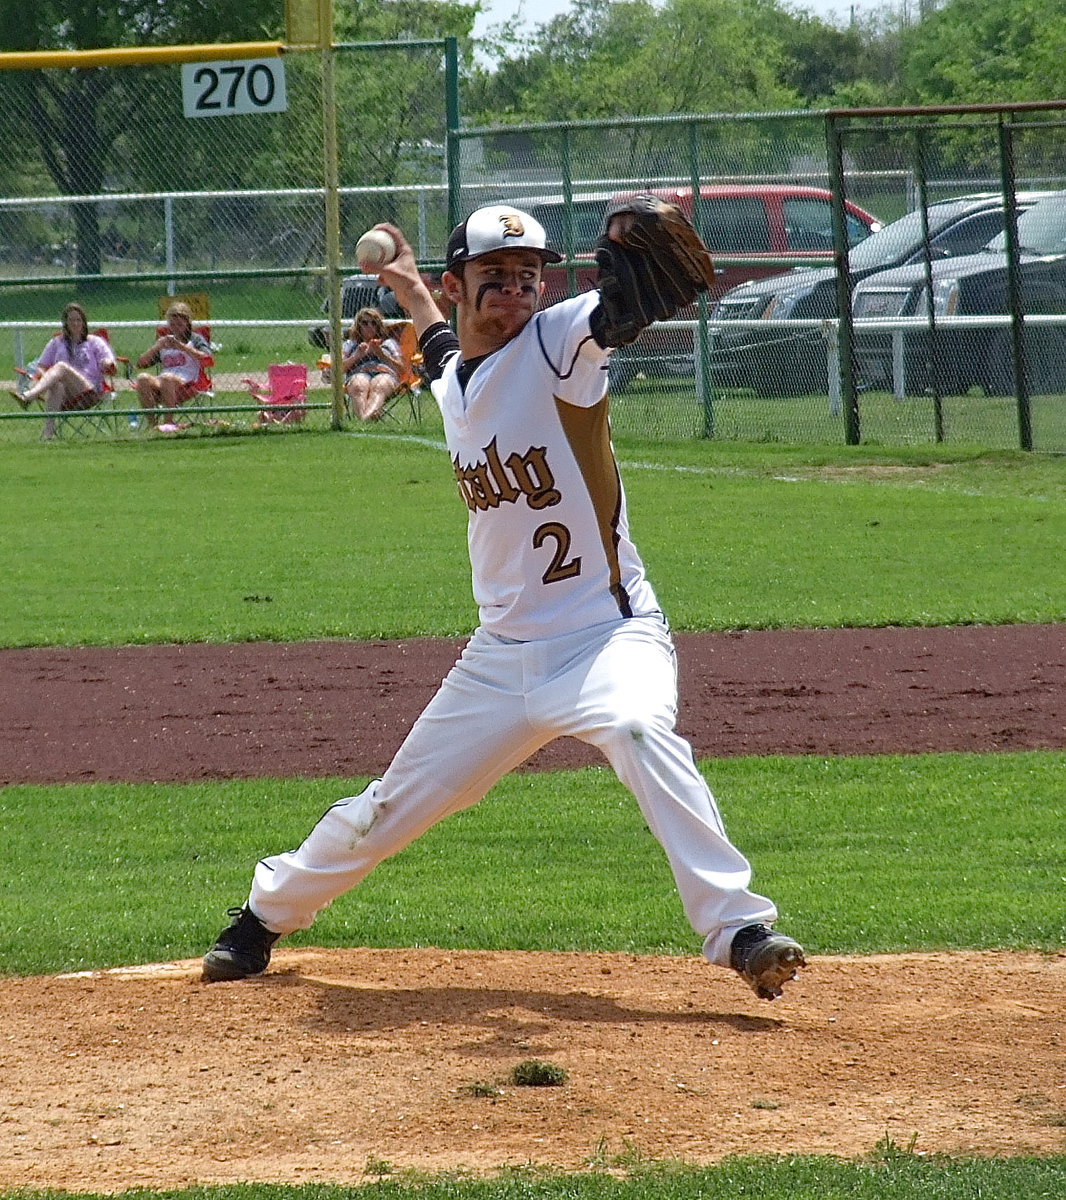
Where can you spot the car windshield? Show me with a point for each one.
(1041, 229)
(898, 240)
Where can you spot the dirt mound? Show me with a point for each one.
(337, 1062)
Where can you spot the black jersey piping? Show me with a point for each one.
(573, 361)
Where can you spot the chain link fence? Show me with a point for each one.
(113, 196)
(785, 201)
(963, 342)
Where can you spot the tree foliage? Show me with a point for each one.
(636, 57)
(631, 57)
(985, 51)
(75, 124)
(89, 131)
(392, 103)
(84, 131)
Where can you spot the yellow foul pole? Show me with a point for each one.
(132, 56)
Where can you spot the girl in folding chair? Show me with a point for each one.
(181, 353)
(373, 364)
(73, 367)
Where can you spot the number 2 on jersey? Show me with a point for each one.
(558, 568)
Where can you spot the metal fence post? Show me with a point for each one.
(332, 221)
(451, 135)
(933, 358)
(846, 337)
(568, 213)
(1014, 287)
(168, 242)
(702, 347)
(832, 366)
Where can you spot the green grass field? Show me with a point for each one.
(862, 855)
(324, 535)
(891, 1173)
(313, 535)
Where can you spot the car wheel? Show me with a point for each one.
(1046, 360)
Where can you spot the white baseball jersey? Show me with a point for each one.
(529, 439)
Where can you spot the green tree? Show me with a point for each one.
(817, 57)
(980, 51)
(632, 58)
(84, 131)
(984, 51)
(392, 102)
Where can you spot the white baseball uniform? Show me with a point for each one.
(571, 642)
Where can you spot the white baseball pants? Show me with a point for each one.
(614, 687)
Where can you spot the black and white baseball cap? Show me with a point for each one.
(497, 227)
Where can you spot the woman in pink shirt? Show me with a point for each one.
(72, 366)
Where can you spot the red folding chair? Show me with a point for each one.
(285, 394)
(202, 388)
(203, 383)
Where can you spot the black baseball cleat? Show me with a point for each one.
(243, 948)
(765, 959)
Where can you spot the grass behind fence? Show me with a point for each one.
(105, 300)
(241, 351)
(668, 410)
(320, 535)
(645, 412)
(651, 414)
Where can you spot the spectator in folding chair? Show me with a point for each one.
(373, 365)
(73, 369)
(182, 353)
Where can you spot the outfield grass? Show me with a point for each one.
(362, 535)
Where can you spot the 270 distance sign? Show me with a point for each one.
(226, 88)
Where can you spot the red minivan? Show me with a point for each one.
(766, 220)
(752, 229)
(746, 221)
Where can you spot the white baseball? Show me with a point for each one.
(375, 248)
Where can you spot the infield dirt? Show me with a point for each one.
(338, 1063)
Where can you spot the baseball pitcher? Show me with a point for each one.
(571, 640)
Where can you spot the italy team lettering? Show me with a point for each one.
(495, 481)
